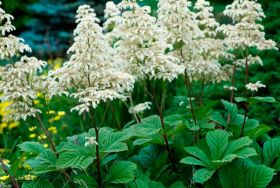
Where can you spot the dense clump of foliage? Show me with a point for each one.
(136, 103)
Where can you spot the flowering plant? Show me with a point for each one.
(167, 141)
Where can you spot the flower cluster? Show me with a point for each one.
(196, 33)
(142, 45)
(90, 70)
(246, 32)
(140, 107)
(254, 87)
(9, 45)
(19, 81)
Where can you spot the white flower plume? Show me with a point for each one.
(90, 70)
(9, 45)
(19, 84)
(142, 47)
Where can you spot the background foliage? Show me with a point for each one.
(47, 26)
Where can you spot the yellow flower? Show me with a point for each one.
(42, 136)
(51, 112)
(61, 113)
(13, 125)
(4, 178)
(55, 118)
(6, 161)
(3, 125)
(45, 145)
(36, 102)
(29, 177)
(32, 135)
(40, 95)
(53, 129)
(27, 167)
(32, 128)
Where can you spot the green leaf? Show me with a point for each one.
(271, 151)
(253, 100)
(202, 175)
(231, 108)
(38, 184)
(75, 156)
(110, 141)
(198, 153)
(240, 99)
(235, 145)
(217, 141)
(244, 174)
(121, 172)
(193, 161)
(218, 118)
(32, 147)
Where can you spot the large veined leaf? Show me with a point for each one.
(38, 184)
(75, 156)
(44, 161)
(144, 181)
(244, 174)
(271, 151)
(193, 161)
(216, 152)
(199, 153)
(202, 175)
(110, 141)
(217, 141)
(149, 126)
(32, 147)
(231, 108)
(235, 145)
(121, 172)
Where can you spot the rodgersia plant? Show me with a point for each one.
(185, 145)
(90, 70)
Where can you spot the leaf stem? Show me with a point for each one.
(12, 178)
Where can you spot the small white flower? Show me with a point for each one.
(140, 107)
(90, 141)
(254, 87)
(230, 88)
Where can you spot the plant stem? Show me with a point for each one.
(187, 83)
(12, 178)
(232, 90)
(244, 123)
(134, 114)
(99, 180)
(167, 147)
(246, 109)
(52, 145)
(247, 69)
(98, 158)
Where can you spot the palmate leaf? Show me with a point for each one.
(32, 147)
(110, 141)
(244, 174)
(271, 151)
(193, 161)
(202, 175)
(44, 162)
(75, 156)
(121, 172)
(217, 141)
(200, 154)
(38, 184)
(231, 108)
(235, 145)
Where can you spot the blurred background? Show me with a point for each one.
(47, 26)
